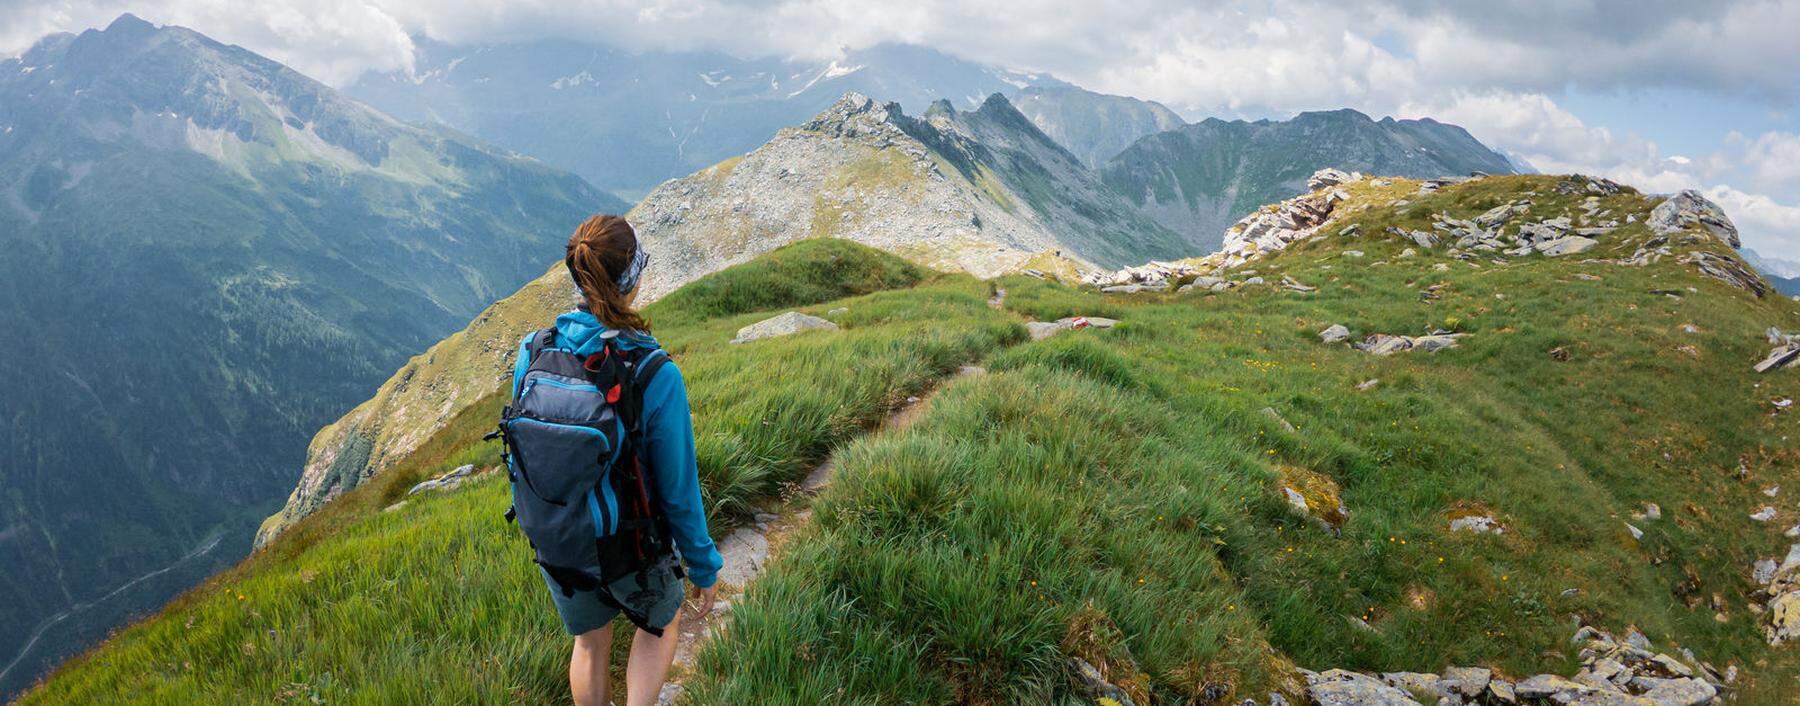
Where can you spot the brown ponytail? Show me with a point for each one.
(601, 248)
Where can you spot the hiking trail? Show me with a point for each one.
(747, 549)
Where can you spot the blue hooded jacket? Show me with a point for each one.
(668, 439)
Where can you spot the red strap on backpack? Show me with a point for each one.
(596, 363)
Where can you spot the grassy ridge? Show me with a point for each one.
(436, 602)
(1114, 494)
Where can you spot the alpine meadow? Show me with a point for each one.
(1400, 376)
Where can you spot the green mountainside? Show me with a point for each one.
(1199, 178)
(1190, 501)
(207, 256)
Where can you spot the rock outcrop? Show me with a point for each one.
(1689, 209)
(1729, 270)
(1274, 228)
(1783, 607)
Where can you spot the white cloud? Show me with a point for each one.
(1774, 160)
(1533, 126)
(1767, 226)
(1217, 54)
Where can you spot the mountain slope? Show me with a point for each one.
(1093, 126)
(627, 121)
(1122, 496)
(208, 255)
(980, 191)
(1199, 178)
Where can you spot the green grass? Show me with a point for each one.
(957, 561)
(1112, 495)
(341, 605)
(806, 272)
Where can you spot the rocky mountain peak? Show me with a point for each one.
(856, 115)
(128, 23)
(997, 101)
(941, 115)
(1339, 116)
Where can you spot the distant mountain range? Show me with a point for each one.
(1200, 178)
(626, 121)
(207, 256)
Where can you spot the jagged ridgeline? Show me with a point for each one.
(980, 191)
(1187, 501)
(204, 256)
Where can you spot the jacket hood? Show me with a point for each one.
(582, 334)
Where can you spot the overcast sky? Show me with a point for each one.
(1660, 94)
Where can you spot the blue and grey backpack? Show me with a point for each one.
(580, 491)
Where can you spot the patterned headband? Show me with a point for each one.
(628, 280)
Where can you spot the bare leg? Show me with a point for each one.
(587, 667)
(649, 665)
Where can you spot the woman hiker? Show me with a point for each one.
(594, 362)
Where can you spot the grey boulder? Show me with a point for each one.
(1338, 687)
(1689, 209)
(1566, 245)
(783, 325)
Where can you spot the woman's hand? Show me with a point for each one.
(702, 603)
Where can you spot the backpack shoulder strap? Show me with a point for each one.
(647, 365)
(644, 364)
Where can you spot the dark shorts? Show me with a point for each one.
(656, 592)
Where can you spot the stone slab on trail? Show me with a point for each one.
(1041, 330)
(745, 551)
(783, 325)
